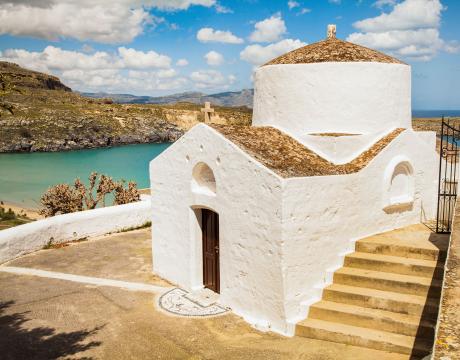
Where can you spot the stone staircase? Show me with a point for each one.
(386, 295)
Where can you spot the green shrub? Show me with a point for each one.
(7, 215)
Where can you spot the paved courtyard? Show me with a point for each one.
(49, 318)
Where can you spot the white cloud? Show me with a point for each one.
(214, 58)
(258, 54)
(105, 21)
(292, 4)
(55, 59)
(421, 44)
(223, 9)
(410, 30)
(408, 15)
(103, 71)
(335, 1)
(161, 74)
(182, 62)
(211, 35)
(141, 60)
(173, 4)
(304, 11)
(114, 24)
(382, 3)
(268, 30)
(209, 79)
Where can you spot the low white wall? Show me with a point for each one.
(33, 236)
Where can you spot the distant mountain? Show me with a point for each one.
(39, 113)
(229, 98)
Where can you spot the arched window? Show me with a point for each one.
(203, 180)
(399, 183)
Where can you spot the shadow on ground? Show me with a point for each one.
(19, 342)
(425, 337)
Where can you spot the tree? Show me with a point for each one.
(64, 199)
(126, 196)
(61, 199)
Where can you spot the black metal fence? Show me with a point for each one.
(448, 175)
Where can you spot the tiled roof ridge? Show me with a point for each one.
(333, 50)
(289, 158)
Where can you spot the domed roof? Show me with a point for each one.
(333, 50)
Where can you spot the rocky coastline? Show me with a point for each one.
(40, 114)
(79, 143)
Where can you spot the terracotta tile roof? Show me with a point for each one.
(333, 50)
(289, 158)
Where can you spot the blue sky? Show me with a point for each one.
(158, 47)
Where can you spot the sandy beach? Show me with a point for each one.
(18, 209)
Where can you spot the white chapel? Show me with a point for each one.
(264, 214)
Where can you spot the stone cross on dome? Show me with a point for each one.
(331, 31)
(207, 110)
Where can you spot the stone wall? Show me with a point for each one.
(447, 344)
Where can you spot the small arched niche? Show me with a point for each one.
(399, 184)
(203, 180)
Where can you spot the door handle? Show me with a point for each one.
(216, 249)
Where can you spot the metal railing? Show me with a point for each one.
(448, 176)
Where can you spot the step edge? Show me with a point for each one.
(353, 331)
(364, 242)
(351, 290)
(416, 321)
(387, 276)
(394, 259)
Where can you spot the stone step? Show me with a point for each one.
(383, 300)
(372, 318)
(394, 264)
(380, 246)
(405, 284)
(358, 336)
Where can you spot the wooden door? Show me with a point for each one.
(210, 227)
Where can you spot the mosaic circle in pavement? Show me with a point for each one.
(183, 303)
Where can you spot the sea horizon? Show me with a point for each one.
(435, 113)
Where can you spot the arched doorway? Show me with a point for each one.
(210, 238)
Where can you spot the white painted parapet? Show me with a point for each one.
(30, 237)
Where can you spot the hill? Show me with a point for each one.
(230, 98)
(39, 113)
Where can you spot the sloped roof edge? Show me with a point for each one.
(289, 158)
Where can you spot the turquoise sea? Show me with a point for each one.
(24, 177)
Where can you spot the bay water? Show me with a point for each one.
(25, 176)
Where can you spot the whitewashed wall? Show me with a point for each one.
(33, 236)
(248, 201)
(318, 98)
(323, 216)
(280, 239)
